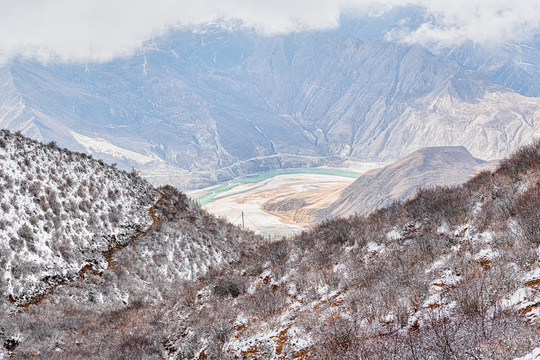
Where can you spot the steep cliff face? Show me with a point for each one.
(203, 107)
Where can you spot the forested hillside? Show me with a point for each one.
(61, 211)
(80, 236)
(449, 274)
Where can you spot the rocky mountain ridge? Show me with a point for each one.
(177, 111)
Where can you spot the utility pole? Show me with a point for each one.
(243, 227)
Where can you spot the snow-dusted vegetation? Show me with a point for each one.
(81, 243)
(451, 274)
(61, 211)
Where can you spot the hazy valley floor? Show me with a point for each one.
(250, 198)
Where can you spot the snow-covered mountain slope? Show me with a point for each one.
(451, 273)
(60, 212)
(64, 214)
(76, 232)
(206, 106)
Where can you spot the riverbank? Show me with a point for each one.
(248, 195)
(213, 193)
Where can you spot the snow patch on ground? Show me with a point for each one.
(535, 354)
(393, 235)
(99, 145)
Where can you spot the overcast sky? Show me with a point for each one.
(100, 30)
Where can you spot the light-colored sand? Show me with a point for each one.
(302, 208)
(249, 198)
(359, 166)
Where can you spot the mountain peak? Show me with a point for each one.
(429, 166)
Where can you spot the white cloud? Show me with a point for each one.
(480, 21)
(100, 30)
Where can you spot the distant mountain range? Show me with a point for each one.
(209, 105)
(96, 262)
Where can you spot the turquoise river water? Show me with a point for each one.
(211, 196)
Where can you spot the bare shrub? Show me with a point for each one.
(430, 244)
(226, 287)
(26, 232)
(278, 252)
(137, 346)
(450, 204)
(522, 160)
(528, 215)
(254, 269)
(304, 241)
(52, 145)
(479, 181)
(337, 338)
(114, 216)
(336, 231)
(220, 334)
(267, 301)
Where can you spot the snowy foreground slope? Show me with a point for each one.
(75, 231)
(60, 211)
(449, 274)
